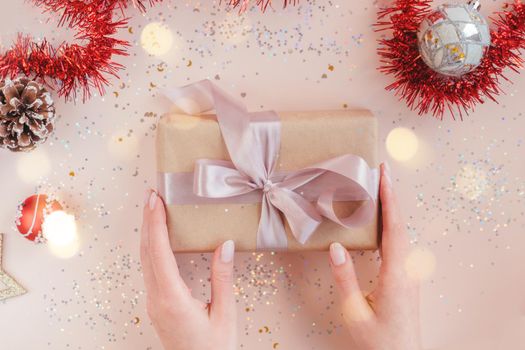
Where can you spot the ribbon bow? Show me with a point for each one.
(253, 140)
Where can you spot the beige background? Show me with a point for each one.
(462, 194)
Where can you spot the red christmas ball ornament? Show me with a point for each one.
(32, 213)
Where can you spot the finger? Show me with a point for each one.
(147, 270)
(394, 243)
(159, 251)
(356, 308)
(222, 298)
(388, 200)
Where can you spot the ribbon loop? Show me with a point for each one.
(219, 179)
(303, 197)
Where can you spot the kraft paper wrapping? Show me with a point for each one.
(307, 138)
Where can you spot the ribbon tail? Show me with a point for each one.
(301, 215)
(271, 233)
(191, 99)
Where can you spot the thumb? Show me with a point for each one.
(222, 298)
(355, 306)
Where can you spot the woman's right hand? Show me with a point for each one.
(388, 318)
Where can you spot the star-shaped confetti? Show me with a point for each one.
(8, 286)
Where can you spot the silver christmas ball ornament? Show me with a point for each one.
(454, 38)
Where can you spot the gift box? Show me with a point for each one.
(193, 147)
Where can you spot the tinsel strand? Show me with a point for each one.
(72, 67)
(426, 91)
(69, 68)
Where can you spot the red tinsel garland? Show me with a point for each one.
(427, 91)
(72, 67)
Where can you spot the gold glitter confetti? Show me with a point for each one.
(190, 63)
(152, 85)
(324, 76)
(265, 329)
(275, 345)
(161, 67)
(72, 173)
(136, 320)
(115, 93)
(130, 30)
(330, 68)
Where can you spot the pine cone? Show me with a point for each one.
(27, 114)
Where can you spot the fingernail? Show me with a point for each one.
(146, 196)
(152, 200)
(337, 254)
(227, 251)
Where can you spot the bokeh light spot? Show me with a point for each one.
(60, 231)
(123, 145)
(156, 39)
(33, 166)
(402, 144)
(420, 264)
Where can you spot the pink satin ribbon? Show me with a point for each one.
(253, 140)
